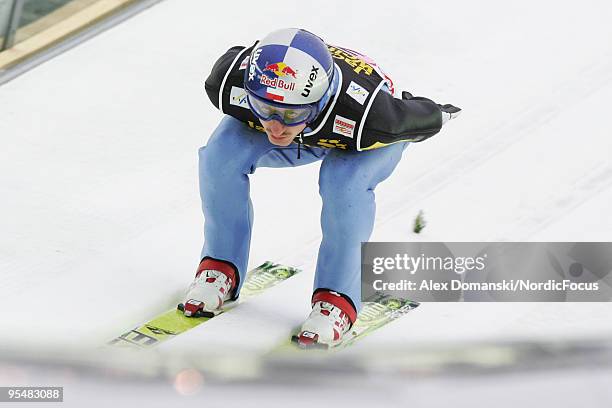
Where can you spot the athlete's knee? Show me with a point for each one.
(228, 151)
(210, 161)
(339, 178)
(226, 139)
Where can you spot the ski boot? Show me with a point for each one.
(212, 286)
(331, 318)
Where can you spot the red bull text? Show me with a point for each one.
(277, 83)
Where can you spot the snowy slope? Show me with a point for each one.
(98, 166)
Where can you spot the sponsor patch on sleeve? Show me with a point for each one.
(357, 92)
(244, 63)
(344, 126)
(238, 97)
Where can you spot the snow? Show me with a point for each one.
(101, 224)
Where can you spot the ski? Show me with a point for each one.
(377, 311)
(173, 322)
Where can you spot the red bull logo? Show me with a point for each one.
(277, 83)
(280, 69)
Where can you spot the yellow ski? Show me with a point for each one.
(172, 323)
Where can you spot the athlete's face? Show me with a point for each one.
(280, 134)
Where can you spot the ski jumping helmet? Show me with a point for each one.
(289, 77)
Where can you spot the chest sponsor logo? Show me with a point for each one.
(344, 126)
(357, 92)
(238, 97)
(358, 62)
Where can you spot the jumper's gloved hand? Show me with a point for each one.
(449, 112)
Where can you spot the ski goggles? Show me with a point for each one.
(290, 116)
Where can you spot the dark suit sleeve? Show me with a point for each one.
(213, 82)
(410, 118)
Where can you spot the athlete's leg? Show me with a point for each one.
(346, 183)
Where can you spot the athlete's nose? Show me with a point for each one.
(276, 128)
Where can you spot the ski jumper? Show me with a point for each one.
(360, 137)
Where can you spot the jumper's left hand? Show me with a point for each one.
(449, 112)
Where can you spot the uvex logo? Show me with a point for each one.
(314, 71)
(253, 64)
